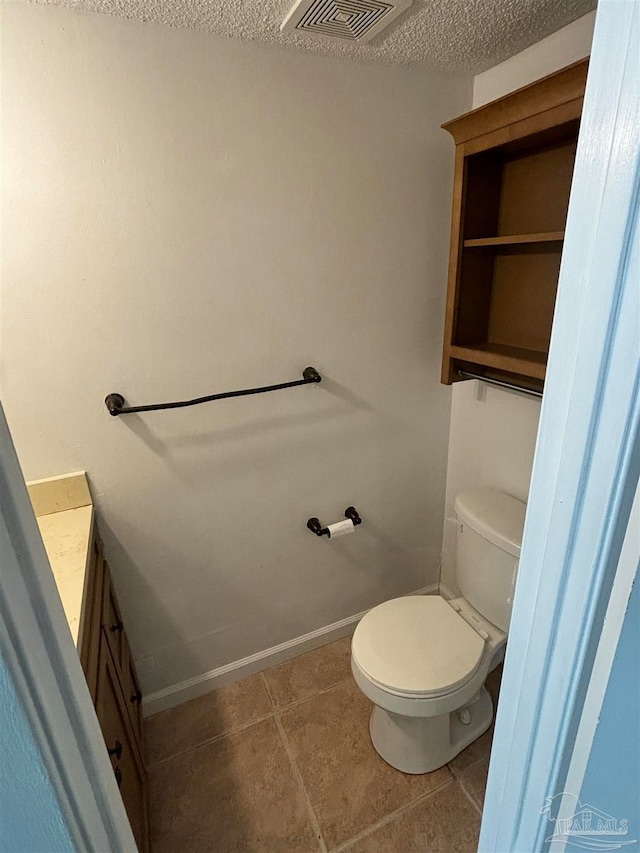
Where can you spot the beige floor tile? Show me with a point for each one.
(349, 785)
(310, 673)
(474, 779)
(185, 726)
(235, 795)
(445, 822)
(480, 748)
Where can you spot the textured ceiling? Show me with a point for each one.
(460, 35)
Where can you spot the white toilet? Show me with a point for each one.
(423, 660)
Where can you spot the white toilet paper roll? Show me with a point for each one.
(340, 528)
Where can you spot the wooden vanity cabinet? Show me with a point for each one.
(116, 639)
(513, 169)
(121, 745)
(113, 684)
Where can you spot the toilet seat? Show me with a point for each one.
(417, 646)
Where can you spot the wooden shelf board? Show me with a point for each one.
(517, 239)
(525, 362)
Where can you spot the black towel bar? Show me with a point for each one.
(115, 403)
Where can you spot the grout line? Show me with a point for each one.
(296, 702)
(391, 817)
(275, 709)
(265, 684)
(209, 741)
(459, 776)
(298, 776)
(471, 799)
(459, 773)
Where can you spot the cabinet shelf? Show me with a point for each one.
(514, 166)
(525, 362)
(516, 240)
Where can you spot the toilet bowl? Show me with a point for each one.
(423, 660)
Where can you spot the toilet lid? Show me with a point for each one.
(416, 645)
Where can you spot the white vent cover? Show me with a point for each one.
(351, 20)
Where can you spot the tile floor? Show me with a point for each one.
(282, 761)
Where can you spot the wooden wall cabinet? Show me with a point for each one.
(113, 684)
(513, 169)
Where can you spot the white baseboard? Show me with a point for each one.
(168, 697)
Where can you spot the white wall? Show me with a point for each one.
(185, 214)
(493, 431)
(570, 44)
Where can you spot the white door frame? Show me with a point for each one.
(587, 459)
(42, 660)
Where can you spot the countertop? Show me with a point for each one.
(66, 531)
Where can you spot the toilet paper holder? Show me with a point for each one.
(315, 527)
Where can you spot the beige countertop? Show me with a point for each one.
(66, 531)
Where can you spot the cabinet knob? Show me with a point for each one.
(116, 750)
(117, 627)
(118, 774)
(137, 697)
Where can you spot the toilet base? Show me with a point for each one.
(423, 744)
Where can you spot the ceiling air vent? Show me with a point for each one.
(349, 20)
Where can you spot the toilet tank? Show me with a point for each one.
(488, 540)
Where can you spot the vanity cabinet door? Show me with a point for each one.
(112, 624)
(116, 638)
(121, 744)
(132, 693)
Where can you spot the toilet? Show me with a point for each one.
(423, 660)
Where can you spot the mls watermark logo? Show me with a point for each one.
(581, 825)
